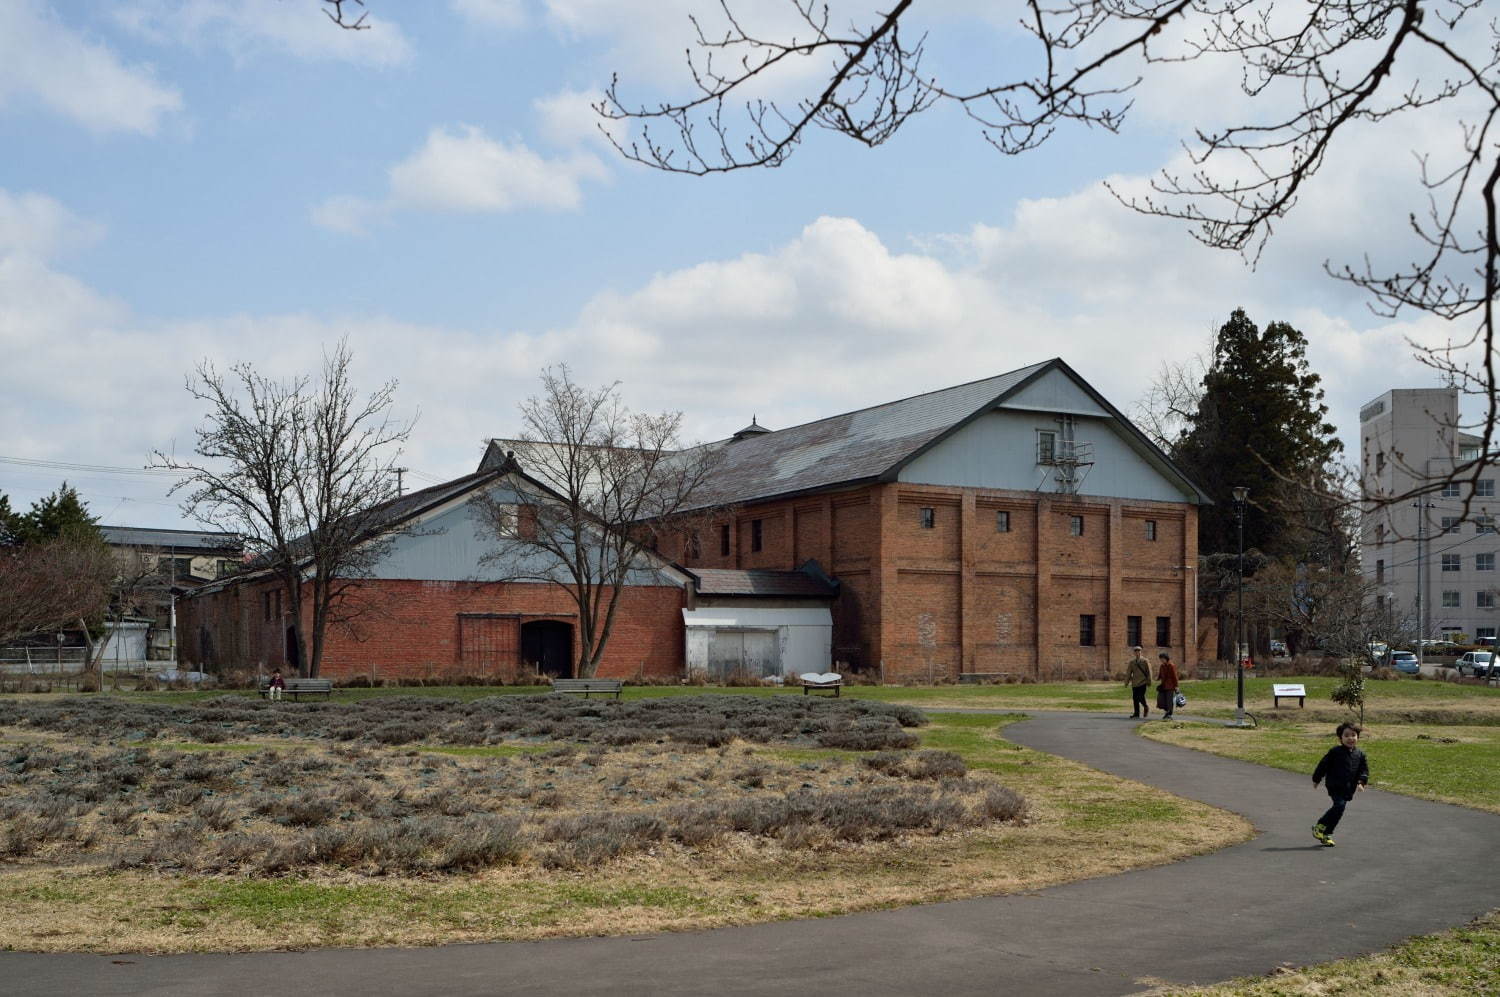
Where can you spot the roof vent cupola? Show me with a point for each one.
(754, 429)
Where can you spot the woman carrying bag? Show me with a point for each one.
(1166, 687)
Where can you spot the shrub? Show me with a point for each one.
(1005, 804)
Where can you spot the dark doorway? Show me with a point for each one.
(293, 652)
(547, 647)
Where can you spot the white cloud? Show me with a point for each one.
(464, 170)
(506, 15)
(246, 28)
(568, 118)
(831, 320)
(43, 59)
(37, 226)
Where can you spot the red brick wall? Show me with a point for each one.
(412, 629)
(996, 602)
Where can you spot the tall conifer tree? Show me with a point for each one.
(1261, 423)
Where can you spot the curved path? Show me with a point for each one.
(1402, 867)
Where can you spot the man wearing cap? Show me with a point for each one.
(1138, 677)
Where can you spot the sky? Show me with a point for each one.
(240, 181)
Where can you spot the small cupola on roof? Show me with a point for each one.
(754, 429)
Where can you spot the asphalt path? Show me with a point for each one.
(1402, 867)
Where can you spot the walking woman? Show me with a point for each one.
(1166, 685)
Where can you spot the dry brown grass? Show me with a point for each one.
(1095, 824)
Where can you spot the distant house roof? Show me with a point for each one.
(138, 536)
(761, 582)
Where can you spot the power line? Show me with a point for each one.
(149, 472)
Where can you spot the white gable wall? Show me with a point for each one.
(1058, 393)
(999, 449)
(449, 547)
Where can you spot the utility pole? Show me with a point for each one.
(400, 471)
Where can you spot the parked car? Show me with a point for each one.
(1405, 662)
(1278, 649)
(1484, 642)
(1477, 663)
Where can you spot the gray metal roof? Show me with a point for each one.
(846, 448)
(761, 582)
(137, 536)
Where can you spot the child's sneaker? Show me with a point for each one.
(1321, 835)
(1327, 841)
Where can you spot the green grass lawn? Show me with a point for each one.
(1451, 764)
(1463, 961)
(1398, 700)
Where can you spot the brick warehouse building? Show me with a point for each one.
(434, 608)
(1018, 525)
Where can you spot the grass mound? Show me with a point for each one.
(708, 720)
(375, 812)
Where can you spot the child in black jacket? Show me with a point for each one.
(1347, 772)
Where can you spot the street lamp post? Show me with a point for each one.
(1240, 494)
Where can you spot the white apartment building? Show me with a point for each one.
(1428, 547)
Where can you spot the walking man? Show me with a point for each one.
(1138, 677)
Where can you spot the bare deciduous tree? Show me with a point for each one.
(302, 472)
(614, 478)
(1310, 76)
(53, 584)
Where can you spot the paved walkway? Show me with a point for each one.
(1402, 867)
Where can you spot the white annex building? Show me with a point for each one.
(1428, 549)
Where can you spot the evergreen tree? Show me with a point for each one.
(10, 523)
(60, 516)
(1261, 423)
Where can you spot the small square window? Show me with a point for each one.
(928, 517)
(1450, 524)
(756, 537)
(1164, 631)
(1150, 529)
(1450, 490)
(1452, 600)
(1484, 524)
(1086, 630)
(1482, 562)
(1133, 631)
(1484, 632)
(1002, 521)
(1485, 599)
(1484, 488)
(1075, 525)
(1046, 446)
(1379, 461)
(1452, 562)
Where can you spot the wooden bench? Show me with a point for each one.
(1280, 692)
(826, 680)
(587, 687)
(300, 687)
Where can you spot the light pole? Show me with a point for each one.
(1240, 494)
(1421, 508)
